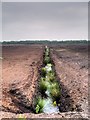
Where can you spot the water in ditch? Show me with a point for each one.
(49, 107)
(48, 87)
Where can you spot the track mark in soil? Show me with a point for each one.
(19, 100)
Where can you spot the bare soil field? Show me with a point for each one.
(20, 67)
(71, 65)
(20, 71)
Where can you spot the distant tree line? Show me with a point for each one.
(47, 42)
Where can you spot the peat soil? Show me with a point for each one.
(21, 65)
(71, 65)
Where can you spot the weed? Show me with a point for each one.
(47, 60)
(44, 85)
(46, 54)
(55, 91)
(51, 76)
(39, 105)
(43, 71)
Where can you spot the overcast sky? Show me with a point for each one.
(59, 21)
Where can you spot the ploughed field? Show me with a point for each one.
(21, 71)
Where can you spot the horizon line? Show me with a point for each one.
(44, 39)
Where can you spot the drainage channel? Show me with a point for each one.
(49, 88)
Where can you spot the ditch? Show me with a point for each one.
(51, 97)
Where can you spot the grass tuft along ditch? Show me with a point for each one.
(48, 100)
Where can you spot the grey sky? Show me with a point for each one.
(44, 20)
(45, 0)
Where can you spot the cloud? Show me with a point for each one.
(45, 20)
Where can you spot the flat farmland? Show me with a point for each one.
(21, 66)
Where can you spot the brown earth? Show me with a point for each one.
(20, 74)
(20, 67)
(71, 66)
